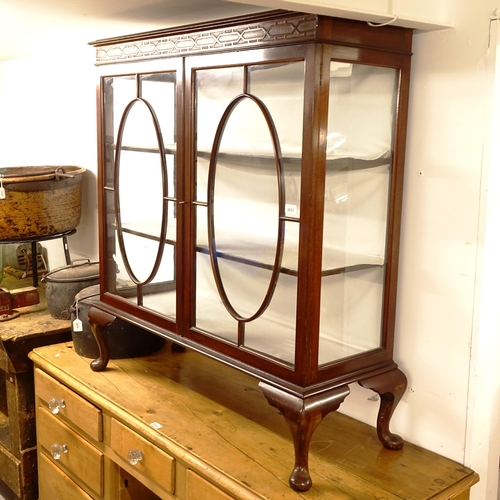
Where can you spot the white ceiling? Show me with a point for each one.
(30, 27)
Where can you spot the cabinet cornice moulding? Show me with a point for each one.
(278, 27)
(208, 37)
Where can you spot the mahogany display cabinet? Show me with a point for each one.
(250, 177)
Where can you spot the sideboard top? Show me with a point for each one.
(210, 413)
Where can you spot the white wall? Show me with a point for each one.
(448, 316)
(448, 322)
(47, 110)
(483, 429)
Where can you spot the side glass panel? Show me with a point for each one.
(141, 189)
(362, 109)
(248, 191)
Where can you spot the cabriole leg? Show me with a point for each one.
(390, 386)
(303, 415)
(99, 322)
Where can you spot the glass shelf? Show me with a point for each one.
(335, 261)
(265, 161)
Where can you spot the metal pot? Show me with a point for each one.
(124, 339)
(62, 285)
(40, 201)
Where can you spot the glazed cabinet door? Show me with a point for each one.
(291, 205)
(141, 132)
(247, 133)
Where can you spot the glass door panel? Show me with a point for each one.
(248, 204)
(141, 189)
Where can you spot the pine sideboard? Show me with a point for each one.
(179, 425)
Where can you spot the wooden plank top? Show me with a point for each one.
(33, 320)
(215, 419)
(33, 327)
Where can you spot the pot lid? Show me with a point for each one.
(89, 294)
(74, 272)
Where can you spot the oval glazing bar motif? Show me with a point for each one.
(163, 231)
(212, 174)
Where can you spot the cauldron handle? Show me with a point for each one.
(99, 322)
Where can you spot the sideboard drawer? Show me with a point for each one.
(198, 487)
(53, 484)
(70, 405)
(77, 455)
(151, 461)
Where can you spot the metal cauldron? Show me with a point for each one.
(39, 201)
(64, 283)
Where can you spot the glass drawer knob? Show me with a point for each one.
(55, 405)
(56, 450)
(135, 456)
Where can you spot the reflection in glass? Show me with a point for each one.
(141, 195)
(281, 88)
(215, 89)
(359, 156)
(246, 208)
(254, 208)
(146, 188)
(211, 315)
